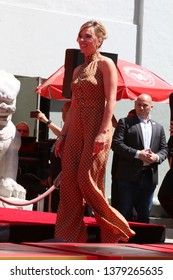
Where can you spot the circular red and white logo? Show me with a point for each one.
(139, 75)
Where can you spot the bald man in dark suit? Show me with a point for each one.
(139, 145)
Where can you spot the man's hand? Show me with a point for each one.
(148, 156)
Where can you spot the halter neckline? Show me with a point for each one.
(91, 57)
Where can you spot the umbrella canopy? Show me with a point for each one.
(133, 80)
(52, 87)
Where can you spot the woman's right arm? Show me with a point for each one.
(59, 145)
(69, 114)
(66, 125)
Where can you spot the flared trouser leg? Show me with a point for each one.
(69, 224)
(113, 225)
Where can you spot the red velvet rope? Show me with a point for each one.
(32, 201)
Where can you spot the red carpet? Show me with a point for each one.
(33, 226)
(16, 216)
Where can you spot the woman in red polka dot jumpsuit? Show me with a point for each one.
(85, 141)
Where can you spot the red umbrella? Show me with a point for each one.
(133, 80)
(52, 87)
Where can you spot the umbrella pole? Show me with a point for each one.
(170, 141)
(39, 81)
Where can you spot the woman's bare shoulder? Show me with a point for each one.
(106, 62)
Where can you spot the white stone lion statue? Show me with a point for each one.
(10, 139)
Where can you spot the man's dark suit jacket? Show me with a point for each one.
(127, 139)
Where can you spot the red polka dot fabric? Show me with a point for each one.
(82, 172)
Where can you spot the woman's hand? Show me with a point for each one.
(59, 146)
(99, 142)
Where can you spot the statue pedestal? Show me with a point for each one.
(15, 200)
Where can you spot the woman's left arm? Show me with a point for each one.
(109, 71)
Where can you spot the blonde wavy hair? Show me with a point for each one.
(99, 29)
